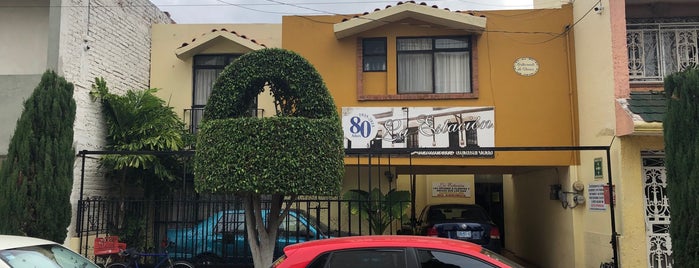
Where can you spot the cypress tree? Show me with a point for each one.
(681, 133)
(36, 179)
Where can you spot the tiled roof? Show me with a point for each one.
(412, 2)
(467, 21)
(225, 30)
(648, 105)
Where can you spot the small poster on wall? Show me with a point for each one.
(451, 189)
(596, 197)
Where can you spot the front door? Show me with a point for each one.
(657, 211)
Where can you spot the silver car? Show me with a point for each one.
(22, 251)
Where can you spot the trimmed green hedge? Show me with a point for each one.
(272, 155)
(295, 83)
(298, 152)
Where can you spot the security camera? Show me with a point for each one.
(598, 8)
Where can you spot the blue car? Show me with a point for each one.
(222, 237)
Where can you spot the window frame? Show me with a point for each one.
(362, 96)
(366, 53)
(433, 51)
(228, 58)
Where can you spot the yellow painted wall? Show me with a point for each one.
(598, 80)
(538, 229)
(631, 221)
(537, 110)
(173, 76)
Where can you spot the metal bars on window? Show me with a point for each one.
(657, 49)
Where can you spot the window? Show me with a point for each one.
(374, 54)
(660, 47)
(206, 70)
(434, 65)
(434, 258)
(365, 258)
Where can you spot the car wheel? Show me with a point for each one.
(208, 258)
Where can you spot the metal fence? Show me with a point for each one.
(211, 229)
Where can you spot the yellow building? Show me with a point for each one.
(456, 87)
(458, 81)
(187, 58)
(620, 91)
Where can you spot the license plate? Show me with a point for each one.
(463, 234)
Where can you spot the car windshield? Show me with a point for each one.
(312, 220)
(468, 213)
(45, 256)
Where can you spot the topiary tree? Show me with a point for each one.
(298, 152)
(681, 133)
(37, 177)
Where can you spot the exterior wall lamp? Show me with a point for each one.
(557, 193)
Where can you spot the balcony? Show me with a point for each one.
(194, 115)
(657, 48)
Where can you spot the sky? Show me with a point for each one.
(271, 11)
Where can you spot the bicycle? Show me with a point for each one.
(132, 256)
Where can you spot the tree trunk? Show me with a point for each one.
(262, 233)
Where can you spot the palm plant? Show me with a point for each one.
(138, 121)
(380, 210)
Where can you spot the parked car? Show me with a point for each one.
(390, 251)
(222, 237)
(22, 251)
(464, 222)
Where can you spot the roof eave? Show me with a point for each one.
(204, 42)
(379, 18)
(647, 128)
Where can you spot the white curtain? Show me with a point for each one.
(203, 84)
(451, 72)
(414, 73)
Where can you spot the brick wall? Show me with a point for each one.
(109, 39)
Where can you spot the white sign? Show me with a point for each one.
(526, 66)
(451, 189)
(596, 197)
(463, 129)
(359, 127)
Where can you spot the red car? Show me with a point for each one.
(390, 251)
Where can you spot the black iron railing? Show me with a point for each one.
(206, 228)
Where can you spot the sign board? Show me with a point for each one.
(595, 197)
(598, 168)
(451, 189)
(526, 66)
(459, 130)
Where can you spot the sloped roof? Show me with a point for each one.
(644, 113)
(378, 18)
(650, 106)
(187, 50)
